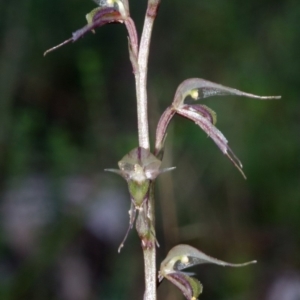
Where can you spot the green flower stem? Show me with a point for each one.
(141, 82)
(143, 134)
(150, 254)
(150, 274)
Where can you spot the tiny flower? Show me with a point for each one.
(112, 12)
(139, 168)
(184, 256)
(202, 115)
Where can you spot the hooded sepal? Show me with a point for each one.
(198, 88)
(140, 164)
(183, 256)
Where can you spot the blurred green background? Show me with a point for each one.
(67, 116)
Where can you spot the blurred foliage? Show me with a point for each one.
(66, 117)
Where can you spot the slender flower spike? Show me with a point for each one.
(139, 168)
(203, 116)
(183, 256)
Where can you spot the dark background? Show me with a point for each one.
(66, 117)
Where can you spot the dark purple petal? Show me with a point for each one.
(179, 280)
(190, 287)
(103, 12)
(101, 17)
(205, 111)
(214, 133)
(162, 126)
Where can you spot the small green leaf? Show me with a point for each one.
(138, 191)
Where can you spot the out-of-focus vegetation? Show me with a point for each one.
(66, 117)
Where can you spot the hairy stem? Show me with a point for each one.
(150, 273)
(141, 83)
(143, 132)
(149, 252)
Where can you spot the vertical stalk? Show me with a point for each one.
(141, 82)
(149, 252)
(143, 133)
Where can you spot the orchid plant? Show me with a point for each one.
(140, 167)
